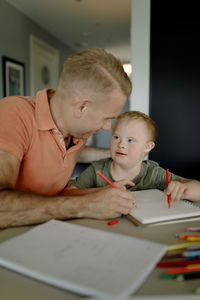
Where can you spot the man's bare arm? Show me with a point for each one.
(90, 154)
(19, 208)
(22, 208)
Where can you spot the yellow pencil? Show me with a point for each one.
(193, 239)
(181, 245)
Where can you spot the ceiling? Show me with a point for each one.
(83, 24)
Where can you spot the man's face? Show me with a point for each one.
(129, 143)
(99, 114)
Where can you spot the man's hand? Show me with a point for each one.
(107, 203)
(121, 184)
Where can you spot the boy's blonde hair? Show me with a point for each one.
(95, 69)
(137, 115)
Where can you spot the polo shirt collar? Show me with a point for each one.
(42, 110)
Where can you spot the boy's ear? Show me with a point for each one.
(149, 146)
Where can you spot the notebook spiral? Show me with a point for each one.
(190, 203)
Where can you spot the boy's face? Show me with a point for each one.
(130, 143)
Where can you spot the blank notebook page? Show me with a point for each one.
(152, 206)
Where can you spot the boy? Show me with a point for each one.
(133, 137)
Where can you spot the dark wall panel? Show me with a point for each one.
(175, 85)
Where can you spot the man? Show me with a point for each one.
(42, 137)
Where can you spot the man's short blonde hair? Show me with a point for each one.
(95, 69)
(137, 115)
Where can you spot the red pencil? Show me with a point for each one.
(113, 222)
(106, 179)
(177, 263)
(168, 181)
(183, 270)
(110, 223)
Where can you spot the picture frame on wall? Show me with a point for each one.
(13, 77)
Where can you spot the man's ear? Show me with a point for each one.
(81, 107)
(149, 146)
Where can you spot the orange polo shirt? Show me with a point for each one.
(28, 131)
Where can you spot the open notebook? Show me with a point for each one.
(152, 207)
(83, 260)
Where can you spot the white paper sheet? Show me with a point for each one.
(83, 260)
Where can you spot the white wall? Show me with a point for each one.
(140, 60)
(140, 55)
(15, 31)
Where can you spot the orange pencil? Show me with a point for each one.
(186, 236)
(168, 181)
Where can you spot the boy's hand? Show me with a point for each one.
(176, 189)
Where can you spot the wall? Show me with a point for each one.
(140, 60)
(166, 63)
(102, 137)
(15, 30)
(140, 55)
(175, 85)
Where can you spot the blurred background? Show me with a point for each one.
(160, 40)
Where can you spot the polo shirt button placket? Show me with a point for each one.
(62, 144)
(60, 141)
